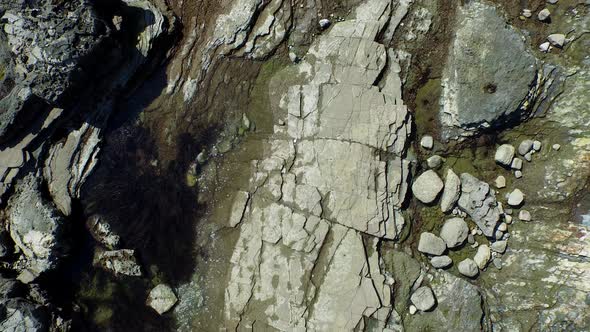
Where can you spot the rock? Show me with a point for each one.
(537, 146)
(556, 39)
(161, 298)
(324, 23)
(503, 227)
(434, 162)
(423, 298)
(427, 142)
(556, 147)
(497, 263)
(524, 215)
(440, 262)
(470, 239)
(246, 122)
(293, 57)
(545, 47)
(508, 219)
(504, 154)
(451, 192)
(516, 164)
(552, 1)
(412, 309)
(454, 232)
(515, 198)
(427, 187)
(500, 182)
(479, 202)
(468, 268)
(525, 146)
(482, 256)
(499, 246)
(529, 156)
(518, 174)
(544, 14)
(527, 13)
(431, 244)
(476, 93)
(101, 232)
(118, 262)
(36, 228)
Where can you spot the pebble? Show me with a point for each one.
(515, 198)
(423, 298)
(281, 122)
(537, 146)
(499, 246)
(440, 262)
(435, 161)
(503, 227)
(529, 156)
(524, 215)
(500, 182)
(470, 239)
(508, 211)
(525, 146)
(518, 174)
(324, 23)
(451, 192)
(431, 244)
(516, 163)
(527, 13)
(508, 219)
(475, 244)
(556, 147)
(293, 57)
(545, 47)
(427, 142)
(497, 263)
(412, 309)
(544, 14)
(556, 39)
(468, 268)
(504, 154)
(552, 1)
(482, 256)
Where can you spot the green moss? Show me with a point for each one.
(431, 217)
(191, 179)
(427, 107)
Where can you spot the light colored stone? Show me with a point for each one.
(537, 146)
(412, 309)
(504, 154)
(524, 215)
(468, 268)
(518, 174)
(556, 147)
(545, 47)
(440, 262)
(423, 298)
(479, 202)
(118, 262)
(499, 246)
(454, 232)
(427, 187)
(161, 298)
(500, 182)
(516, 164)
(427, 142)
(503, 227)
(525, 146)
(431, 244)
(527, 13)
(434, 162)
(557, 39)
(451, 192)
(508, 219)
(515, 198)
(482, 256)
(544, 14)
(529, 156)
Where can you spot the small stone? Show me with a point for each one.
(552, 1)
(515, 198)
(482, 256)
(423, 298)
(508, 219)
(504, 154)
(527, 13)
(525, 146)
(516, 163)
(557, 39)
(468, 268)
(524, 215)
(529, 156)
(545, 47)
(454, 232)
(518, 174)
(245, 122)
(427, 187)
(435, 161)
(544, 15)
(499, 234)
(497, 263)
(499, 246)
(427, 142)
(556, 147)
(451, 192)
(500, 182)
(440, 262)
(470, 239)
(324, 23)
(503, 227)
(431, 244)
(412, 309)
(475, 244)
(161, 298)
(508, 211)
(281, 122)
(537, 146)
(479, 232)
(293, 57)
(202, 157)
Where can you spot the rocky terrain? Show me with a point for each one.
(294, 165)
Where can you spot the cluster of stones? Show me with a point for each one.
(544, 15)
(506, 155)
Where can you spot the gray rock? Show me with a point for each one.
(499, 246)
(524, 215)
(497, 263)
(516, 164)
(423, 298)
(118, 262)
(552, 1)
(427, 187)
(527, 13)
(479, 202)
(431, 244)
(556, 147)
(518, 174)
(161, 298)
(454, 232)
(451, 192)
(500, 182)
(525, 146)
(515, 198)
(545, 47)
(482, 256)
(468, 268)
(427, 142)
(470, 239)
(529, 156)
(537, 146)
(504, 154)
(434, 162)
(488, 73)
(544, 14)
(440, 262)
(557, 39)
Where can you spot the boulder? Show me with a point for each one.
(516, 164)
(524, 215)
(468, 268)
(515, 198)
(423, 298)
(451, 192)
(427, 187)
(440, 262)
(161, 298)
(479, 202)
(431, 244)
(434, 162)
(504, 155)
(101, 232)
(454, 232)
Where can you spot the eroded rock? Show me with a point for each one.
(479, 202)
